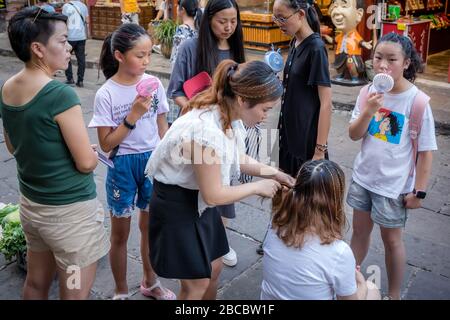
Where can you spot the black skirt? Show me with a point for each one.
(183, 244)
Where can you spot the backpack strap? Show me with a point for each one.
(415, 123)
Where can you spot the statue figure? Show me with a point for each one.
(346, 15)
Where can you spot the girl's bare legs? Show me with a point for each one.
(120, 230)
(395, 258)
(362, 229)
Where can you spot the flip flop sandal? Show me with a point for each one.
(148, 292)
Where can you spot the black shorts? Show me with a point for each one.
(182, 243)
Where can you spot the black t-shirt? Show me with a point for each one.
(306, 68)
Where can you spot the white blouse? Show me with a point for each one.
(203, 126)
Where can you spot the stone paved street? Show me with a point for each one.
(427, 235)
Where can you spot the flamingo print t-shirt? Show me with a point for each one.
(384, 162)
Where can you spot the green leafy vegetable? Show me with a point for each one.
(12, 240)
(8, 209)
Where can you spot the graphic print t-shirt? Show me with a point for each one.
(113, 103)
(385, 160)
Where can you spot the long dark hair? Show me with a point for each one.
(192, 10)
(310, 12)
(208, 51)
(315, 206)
(122, 39)
(409, 51)
(253, 81)
(30, 25)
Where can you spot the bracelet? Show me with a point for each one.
(128, 125)
(322, 147)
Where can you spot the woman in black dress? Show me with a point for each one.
(306, 103)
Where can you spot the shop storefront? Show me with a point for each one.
(260, 32)
(426, 22)
(105, 16)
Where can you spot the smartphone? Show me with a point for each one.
(105, 160)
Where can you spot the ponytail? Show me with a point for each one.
(108, 64)
(310, 12)
(313, 19)
(253, 81)
(198, 18)
(122, 39)
(192, 10)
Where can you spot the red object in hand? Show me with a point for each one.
(197, 84)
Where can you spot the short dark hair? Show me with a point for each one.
(30, 25)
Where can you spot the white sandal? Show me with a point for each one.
(121, 296)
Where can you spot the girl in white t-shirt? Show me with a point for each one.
(305, 257)
(129, 126)
(386, 179)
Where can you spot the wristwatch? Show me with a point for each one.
(128, 125)
(419, 194)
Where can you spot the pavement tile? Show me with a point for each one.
(248, 285)
(429, 286)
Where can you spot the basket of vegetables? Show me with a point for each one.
(12, 238)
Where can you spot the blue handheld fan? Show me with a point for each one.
(274, 60)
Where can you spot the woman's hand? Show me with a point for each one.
(318, 155)
(267, 188)
(284, 179)
(412, 202)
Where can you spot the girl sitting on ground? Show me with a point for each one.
(307, 230)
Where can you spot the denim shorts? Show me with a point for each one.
(127, 186)
(384, 211)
